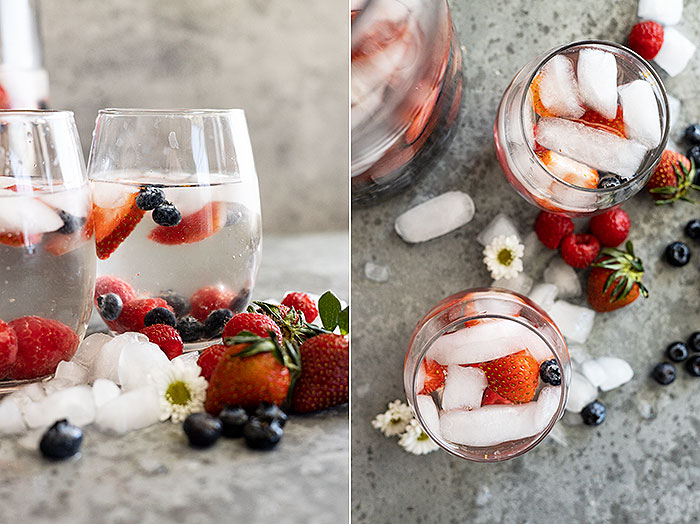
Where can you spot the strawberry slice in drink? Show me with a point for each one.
(193, 228)
(598, 121)
(434, 376)
(113, 225)
(569, 170)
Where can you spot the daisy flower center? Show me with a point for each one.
(423, 436)
(178, 393)
(505, 257)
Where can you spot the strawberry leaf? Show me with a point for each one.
(328, 310)
(344, 321)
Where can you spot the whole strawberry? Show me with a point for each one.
(41, 344)
(8, 348)
(208, 299)
(133, 313)
(323, 382)
(110, 284)
(612, 227)
(552, 228)
(209, 358)
(672, 178)
(579, 251)
(255, 323)
(166, 338)
(302, 302)
(615, 280)
(646, 39)
(514, 377)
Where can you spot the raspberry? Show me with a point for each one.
(208, 299)
(210, 358)
(255, 323)
(8, 348)
(166, 338)
(109, 284)
(646, 39)
(579, 251)
(611, 228)
(302, 302)
(551, 228)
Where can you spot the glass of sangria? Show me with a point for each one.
(581, 128)
(47, 249)
(487, 373)
(406, 83)
(177, 219)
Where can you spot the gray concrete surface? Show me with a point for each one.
(285, 63)
(151, 476)
(629, 469)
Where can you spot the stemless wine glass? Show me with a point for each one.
(177, 219)
(47, 250)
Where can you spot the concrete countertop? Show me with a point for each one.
(632, 468)
(152, 476)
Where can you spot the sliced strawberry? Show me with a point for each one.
(570, 171)
(491, 397)
(434, 376)
(598, 121)
(113, 225)
(536, 101)
(4, 99)
(19, 239)
(193, 228)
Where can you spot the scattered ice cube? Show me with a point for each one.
(89, 348)
(435, 217)
(190, 357)
(137, 362)
(593, 147)
(574, 322)
(617, 372)
(581, 393)
(135, 409)
(597, 81)
(501, 225)
(558, 89)
(665, 12)
(104, 390)
(564, 277)
(646, 410)
(72, 372)
(674, 110)
(544, 295)
(30, 441)
(464, 387)
(520, 284)
(34, 391)
(593, 371)
(75, 404)
(532, 245)
(558, 435)
(376, 272)
(675, 53)
(57, 384)
(578, 353)
(27, 215)
(640, 113)
(498, 423)
(428, 412)
(106, 363)
(11, 420)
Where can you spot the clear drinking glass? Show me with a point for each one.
(521, 158)
(47, 250)
(462, 414)
(406, 79)
(177, 215)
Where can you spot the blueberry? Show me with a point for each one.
(202, 429)
(677, 254)
(677, 351)
(694, 342)
(109, 305)
(62, 440)
(260, 434)
(166, 215)
(150, 197)
(692, 134)
(692, 365)
(269, 412)
(190, 329)
(694, 154)
(692, 229)
(240, 301)
(71, 223)
(609, 181)
(43, 105)
(180, 304)
(593, 414)
(234, 419)
(550, 373)
(664, 373)
(160, 315)
(215, 322)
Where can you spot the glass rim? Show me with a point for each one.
(657, 151)
(135, 111)
(51, 114)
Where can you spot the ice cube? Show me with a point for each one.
(617, 372)
(488, 340)
(558, 435)
(137, 362)
(135, 409)
(77, 203)
(464, 387)
(597, 81)
(674, 110)
(104, 390)
(376, 272)
(497, 423)
(57, 384)
(590, 146)
(574, 322)
(190, 357)
(593, 371)
(533, 246)
(501, 225)
(425, 405)
(564, 277)
(189, 200)
(11, 419)
(75, 404)
(522, 283)
(544, 295)
(435, 217)
(27, 215)
(640, 113)
(34, 391)
(665, 12)
(558, 89)
(111, 195)
(675, 53)
(578, 354)
(72, 372)
(106, 363)
(581, 393)
(89, 348)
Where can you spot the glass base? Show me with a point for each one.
(10, 386)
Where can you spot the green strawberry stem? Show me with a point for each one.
(684, 182)
(625, 266)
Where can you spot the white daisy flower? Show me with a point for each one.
(416, 441)
(181, 389)
(503, 257)
(394, 420)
